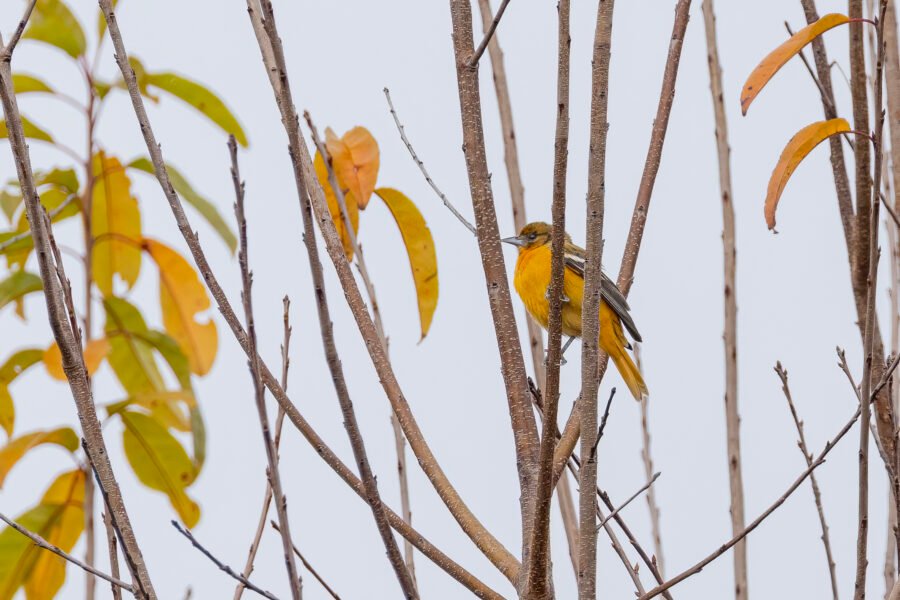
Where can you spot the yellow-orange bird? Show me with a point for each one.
(532, 281)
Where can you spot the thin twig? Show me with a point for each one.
(647, 459)
(817, 494)
(476, 56)
(279, 422)
(421, 165)
(222, 566)
(113, 554)
(42, 543)
(27, 234)
(273, 472)
(7, 51)
(819, 460)
(618, 509)
(732, 415)
(308, 566)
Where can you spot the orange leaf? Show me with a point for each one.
(94, 353)
(355, 158)
(796, 150)
(115, 225)
(335, 209)
(783, 53)
(420, 248)
(181, 297)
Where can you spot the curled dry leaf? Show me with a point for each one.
(796, 150)
(420, 248)
(355, 158)
(770, 65)
(182, 296)
(94, 353)
(334, 208)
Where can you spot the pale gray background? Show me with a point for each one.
(793, 291)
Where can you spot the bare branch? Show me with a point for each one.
(476, 56)
(421, 165)
(762, 517)
(618, 509)
(647, 459)
(9, 48)
(308, 566)
(222, 566)
(42, 543)
(273, 472)
(817, 494)
(732, 416)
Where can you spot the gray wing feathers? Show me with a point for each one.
(610, 294)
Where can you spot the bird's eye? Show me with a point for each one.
(532, 236)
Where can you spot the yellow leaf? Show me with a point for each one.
(335, 209)
(181, 297)
(131, 355)
(115, 225)
(7, 410)
(420, 248)
(164, 406)
(17, 448)
(59, 519)
(770, 65)
(160, 462)
(355, 158)
(796, 150)
(94, 353)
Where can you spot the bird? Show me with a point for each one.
(532, 282)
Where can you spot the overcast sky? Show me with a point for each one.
(793, 291)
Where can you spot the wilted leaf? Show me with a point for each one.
(17, 285)
(15, 449)
(770, 65)
(355, 159)
(130, 356)
(206, 208)
(420, 248)
(59, 519)
(796, 150)
(53, 23)
(334, 208)
(94, 353)
(29, 130)
(200, 98)
(115, 225)
(24, 84)
(160, 462)
(181, 297)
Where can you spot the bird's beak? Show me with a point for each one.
(515, 241)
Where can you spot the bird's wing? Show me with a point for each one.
(610, 293)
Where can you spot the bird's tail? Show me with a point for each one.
(630, 373)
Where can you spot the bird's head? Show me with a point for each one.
(532, 235)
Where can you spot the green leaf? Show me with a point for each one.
(65, 179)
(130, 356)
(59, 519)
(25, 84)
(17, 448)
(198, 429)
(160, 462)
(53, 23)
(30, 130)
(166, 407)
(206, 208)
(16, 364)
(17, 285)
(200, 98)
(169, 349)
